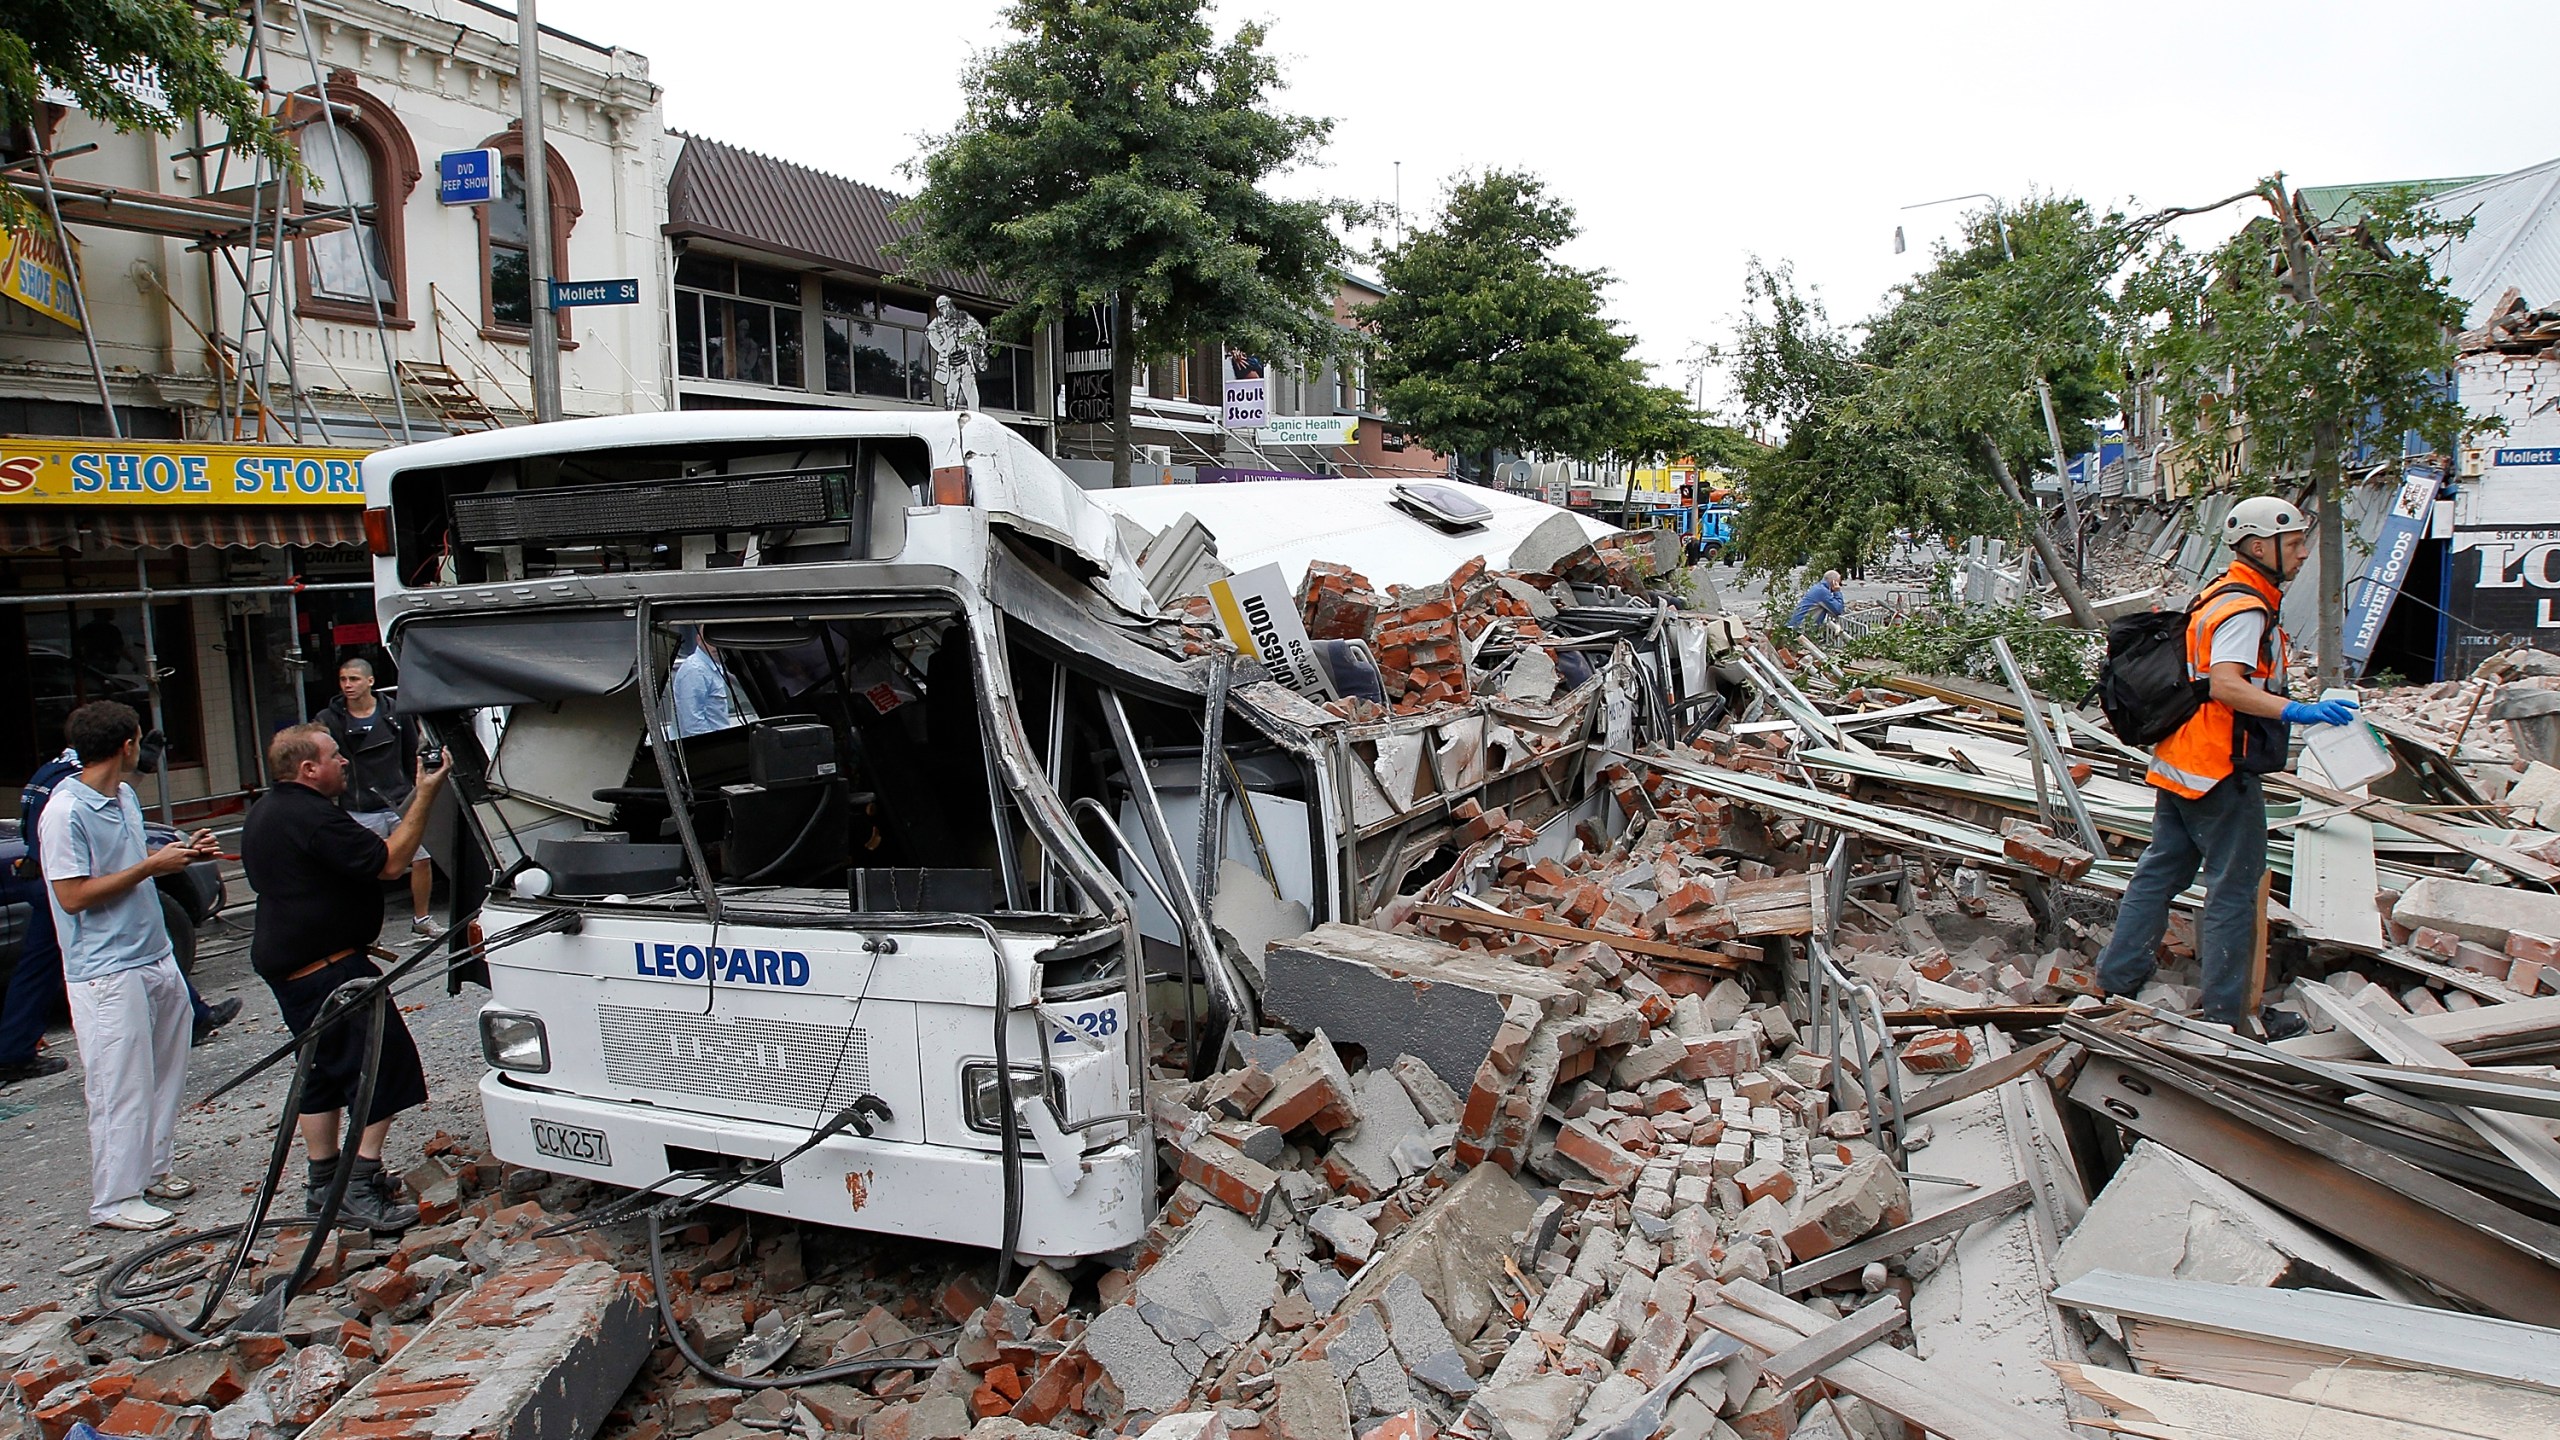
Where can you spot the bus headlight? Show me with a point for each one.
(514, 1040)
(978, 1100)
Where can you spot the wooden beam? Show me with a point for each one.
(1986, 1076)
(1931, 1397)
(1556, 930)
(2258, 948)
(1830, 1345)
(2152, 1406)
(2388, 1332)
(1798, 1278)
(2523, 1141)
(2514, 862)
(2007, 1017)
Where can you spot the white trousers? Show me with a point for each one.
(134, 1027)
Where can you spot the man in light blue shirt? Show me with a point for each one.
(701, 691)
(1824, 598)
(129, 1006)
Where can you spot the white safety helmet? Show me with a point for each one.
(2263, 517)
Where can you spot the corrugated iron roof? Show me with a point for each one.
(2347, 204)
(2514, 239)
(721, 192)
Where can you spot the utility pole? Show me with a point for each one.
(537, 216)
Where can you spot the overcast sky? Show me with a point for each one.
(1692, 136)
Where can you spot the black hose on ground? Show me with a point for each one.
(842, 1370)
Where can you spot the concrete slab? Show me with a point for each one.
(1250, 912)
(2164, 1215)
(540, 1352)
(1399, 994)
(1451, 1246)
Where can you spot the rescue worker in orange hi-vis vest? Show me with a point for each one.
(2212, 811)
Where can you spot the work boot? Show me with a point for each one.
(218, 1014)
(367, 1204)
(2281, 1024)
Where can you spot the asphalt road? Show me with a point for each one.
(223, 1147)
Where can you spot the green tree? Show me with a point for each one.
(1487, 342)
(1114, 153)
(1922, 423)
(86, 46)
(1847, 472)
(2319, 342)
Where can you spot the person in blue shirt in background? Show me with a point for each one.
(700, 691)
(1824, 597)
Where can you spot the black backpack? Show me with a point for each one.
(2143, 687)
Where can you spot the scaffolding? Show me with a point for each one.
(250, 223)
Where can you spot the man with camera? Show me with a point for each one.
(36, 993)
(129, 1006)
(318, 873)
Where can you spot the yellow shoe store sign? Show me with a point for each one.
(157, 472)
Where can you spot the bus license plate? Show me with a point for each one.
(571, 1142)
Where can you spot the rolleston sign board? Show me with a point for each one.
(1261, 619)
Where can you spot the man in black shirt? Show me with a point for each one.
(318, 873)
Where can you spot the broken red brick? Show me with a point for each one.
(1312, 1089)
(1937, 1052)
(2443, 944)
(1597, 1153)
(2041, 849)
(1239, 1182)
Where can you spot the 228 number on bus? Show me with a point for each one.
(1096, 1025)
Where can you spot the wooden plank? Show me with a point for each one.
(2452, 837)
(1953, 690)
(2152, 1406)
(2487, 1028)
(2488, 1089)
(2386, 1331)
(2258, 948)
(2334, 876)
(1833, 1343)
(2478, 986)
(1921, 1399)
(1911, 710)
(2340, 1382)
(2007, 1017)
(1797, 1278)
(1985, 1076)
(1932, 1397)
(2520, 1140)
(1779, 905)
(1556, 930)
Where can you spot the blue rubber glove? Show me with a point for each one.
(2320, 712)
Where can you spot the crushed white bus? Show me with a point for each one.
(890, 807)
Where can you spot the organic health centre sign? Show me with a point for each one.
(154, 472)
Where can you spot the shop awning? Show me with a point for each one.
(237, 527)
(38, 529)
(230, 527)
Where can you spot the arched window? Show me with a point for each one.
(372, 166)
(506, 292)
